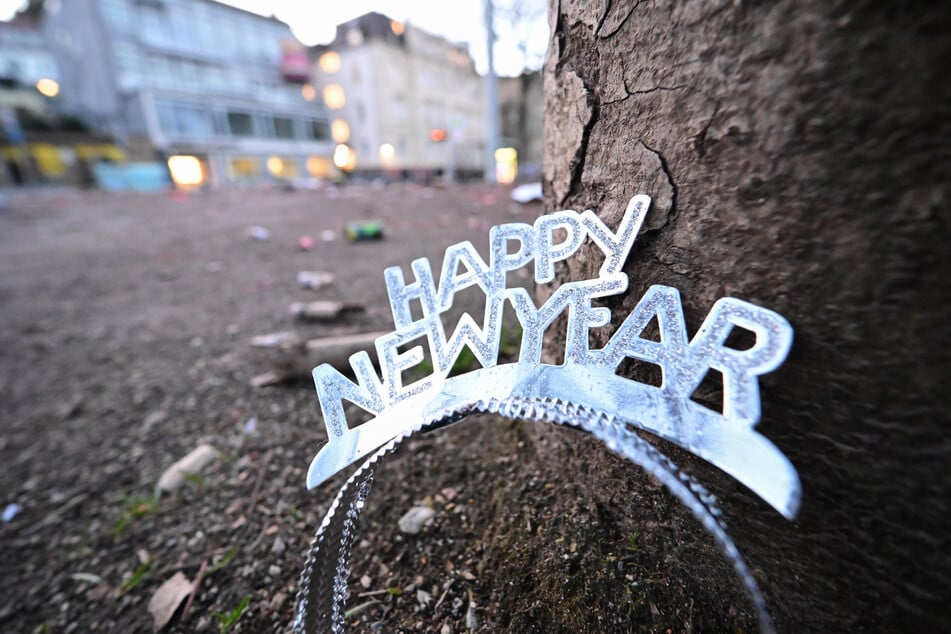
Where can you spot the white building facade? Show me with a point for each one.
(194, 78)
(402, 100)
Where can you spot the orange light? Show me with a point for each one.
(345, 158)
(308, 92)
(506, 165)
(397, 27)
(334, 96)
(438, 135)
(318, 167)
(329, 62)
(186, 171)
(340, 131)
(47, 87)
(275, 165)
(387, 154)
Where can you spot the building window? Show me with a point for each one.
(166, 117)
(193, 121)
(240, 124)
(243, 167)
(335, 97)
(220, 121)
(318, 167)
(319, 130)
(117, 15)
(329, 62)
(177, 119)
(284, 127)
(399, 107)
(282, 167)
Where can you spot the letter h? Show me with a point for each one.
(401, 293)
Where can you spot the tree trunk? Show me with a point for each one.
(797, 154)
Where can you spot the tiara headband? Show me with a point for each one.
(584, 391)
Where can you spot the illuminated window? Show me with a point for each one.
(345, 158)
(340, 131)
(318, 167)
(334, 96)
(282, 167)
(329, 62)
(506, 165)
(308, 92)
(387, 154)
(242, 167)
(47, 87)
(397, 27)
(186, 171)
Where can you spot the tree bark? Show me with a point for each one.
(798, 155)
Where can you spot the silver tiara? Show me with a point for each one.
(584, 391)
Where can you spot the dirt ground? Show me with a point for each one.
(126, 321)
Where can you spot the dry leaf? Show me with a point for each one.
(164, 603)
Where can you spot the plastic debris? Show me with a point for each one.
(527, 193)
(322, 311)
(10, 511)
(250, 426)
(197, 459)
(364, 230)
(258, 233)
(270, 378)
(414, 519)
(337, 350)
(275, 340)
(86, 577)
(328, 235)
(289, 362)
(305, 243)
(314, 279)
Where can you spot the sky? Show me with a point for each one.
(9, 7)
(314, 21)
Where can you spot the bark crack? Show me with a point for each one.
(558, 35)
(604, 16)
(620, 24)
(670, 180)
(646, 91)
(701, 139)
(578, 161)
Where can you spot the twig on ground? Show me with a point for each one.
(191, 597)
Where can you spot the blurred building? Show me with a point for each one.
(27, 62)
(29, 84)
(215, 89)
(521, 108)
(402, 101)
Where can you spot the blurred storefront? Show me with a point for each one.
(191, 78)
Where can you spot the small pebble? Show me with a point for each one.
(415, 518)
(423, 597)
